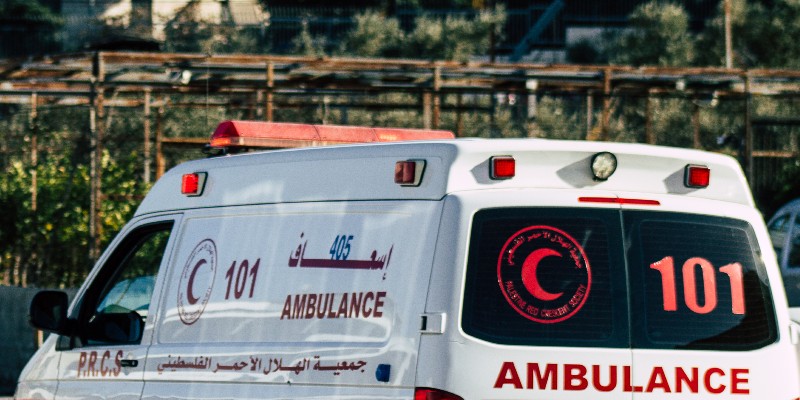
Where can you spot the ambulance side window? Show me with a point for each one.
(115, 307)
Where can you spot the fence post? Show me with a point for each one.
(270, 88)
(34, 126)
(96, 127)
(147, 147)
(748, 131)
(459, 115)
(426, 109)
(589, 113)
(437, 83)
(159, 138)
(606, 104)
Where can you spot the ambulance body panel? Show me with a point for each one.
(41, 373)
(491, 269)
(282, 311)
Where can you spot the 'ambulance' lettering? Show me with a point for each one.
(577, 377)
(334, 305)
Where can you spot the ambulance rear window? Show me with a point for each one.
(545, 276)
(611, 278)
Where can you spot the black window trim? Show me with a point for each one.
(102, 281)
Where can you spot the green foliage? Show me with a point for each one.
(453, 38)
(764, 35)
(47, 243)
(486, 116)
(711, 42)
(27, 28)
(428, 39)
(307, 44)
(771, 40)
(559, 118)
(671, 121)
(585, 51)
(448, 38)
(658, 35)
(30, 11)
(442, 4)
(373, 35)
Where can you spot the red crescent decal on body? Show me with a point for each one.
(189, 292)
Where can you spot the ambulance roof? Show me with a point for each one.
(366, 172)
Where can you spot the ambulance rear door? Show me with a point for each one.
(540, 311)
(704, 320)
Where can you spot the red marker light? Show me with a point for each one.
(502, 167)
(409, 173)
(193, 184)
(697, 176)
(434, 394)
(619, 200)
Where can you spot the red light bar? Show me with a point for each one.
(193, 184)
(279, 134)
(502, 167)
(696, 176)
(619, 200)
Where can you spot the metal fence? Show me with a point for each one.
(148, 111)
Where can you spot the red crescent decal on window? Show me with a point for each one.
(544, 274)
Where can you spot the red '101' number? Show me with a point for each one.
(666, 267)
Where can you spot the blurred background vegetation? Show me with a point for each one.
(44, 240)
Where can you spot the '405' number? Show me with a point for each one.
(340, 249)
(666, 267)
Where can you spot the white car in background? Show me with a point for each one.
(784, 230)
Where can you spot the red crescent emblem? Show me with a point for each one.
(190, 305)
(567, 274)
(189, 292)
(531, 280)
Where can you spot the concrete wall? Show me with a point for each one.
(17, 338)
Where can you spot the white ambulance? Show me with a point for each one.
(429, 270)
